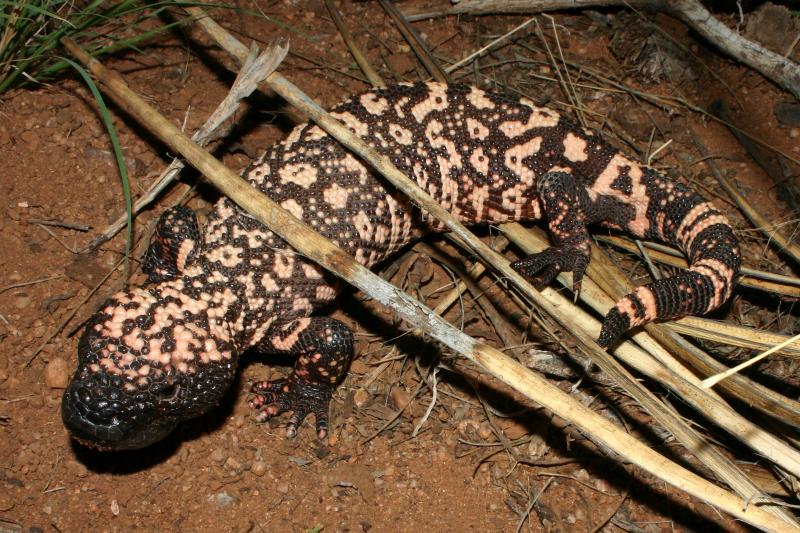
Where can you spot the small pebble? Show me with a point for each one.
(400, 398)
(468, 428)
(485, 430)
(360, 398)
(30, 139)
(56, 374)
(259, 468)
(222, 499)
(115, 507)
(22, 300)
(218, 456)
(794, 133)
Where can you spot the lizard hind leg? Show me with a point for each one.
(561, 200)
(176, 244)
(715, 260)
(323, 347)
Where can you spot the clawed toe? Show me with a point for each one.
(543, 267)
(272, 398)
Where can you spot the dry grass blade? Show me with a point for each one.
(713, 380)
(325, 253)
(482, 50)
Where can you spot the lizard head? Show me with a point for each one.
(148, 359)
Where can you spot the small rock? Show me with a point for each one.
(361, 398)
(69, 119)
(485, 430)
(794, 133)
(115, 507)
(30, 140)
(400, 398)
(218, 456)
(22, 300)
(283, 488)
(400, 63)
(86, 269)
(468, 428)
(222, 499)
(259, 468)
(56, 374)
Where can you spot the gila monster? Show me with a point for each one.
(158, 354)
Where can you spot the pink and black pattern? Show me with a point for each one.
(168, 351)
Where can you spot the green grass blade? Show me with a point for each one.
(117, 148)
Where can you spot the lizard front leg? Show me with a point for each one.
(561, 199)
(323, 347)
(175, 245)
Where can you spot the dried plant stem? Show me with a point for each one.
(666, 370)
(373, 77)
(322, 251)
(754, 279)
(246, 82)
(733, 335)
(713, 380)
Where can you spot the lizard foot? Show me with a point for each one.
(272, 398)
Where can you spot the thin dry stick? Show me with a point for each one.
(373, 77)
(417, 44)
(713, 380)
(457, 65)
(322, 251)
(781, 70)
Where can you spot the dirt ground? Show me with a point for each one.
(225, 472)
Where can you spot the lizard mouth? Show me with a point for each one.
(111, 424)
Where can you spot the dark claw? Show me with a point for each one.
(545, 266)
(275, 397)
